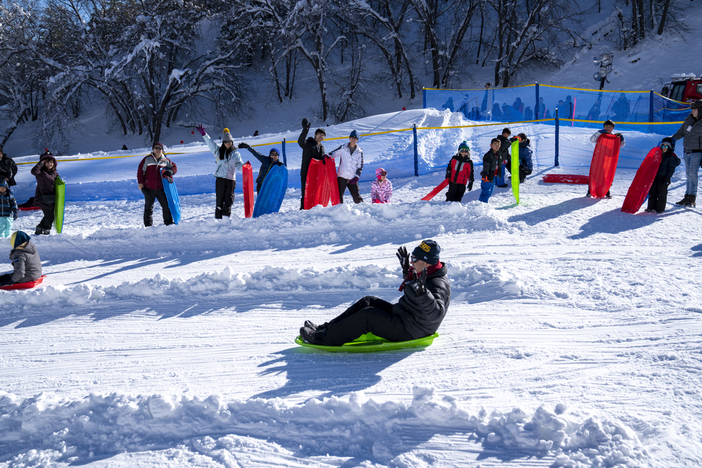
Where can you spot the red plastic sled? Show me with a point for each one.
(444, 183)
(566, 179)
(27, 285)
(332, 181)
(247, 172)
(642, 181)
(603, 165)
(321, 186)
(28, 208)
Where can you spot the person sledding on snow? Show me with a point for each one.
(267, 162)
(25, 260)
(608, 128)
(658, 195)
(151, 183)
(487, 176)
(228, 161)
(312, 148)
(459, 172)
(45, 194)
(525, 162)
(8, 209)
(417, 314)
(350, 167)
(381, 189)
(691, 132)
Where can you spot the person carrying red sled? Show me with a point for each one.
(658, 195)
(459, 172)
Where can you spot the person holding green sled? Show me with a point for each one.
(418, 313)
(45, 194)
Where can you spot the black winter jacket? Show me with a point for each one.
(667, 168)
(8, 170)
(423, 314)
(489, 165)
(266, 164)
(45, 181)
(503, 152)
(310, 150)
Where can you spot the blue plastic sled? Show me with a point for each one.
(270, 198)
(173, 199)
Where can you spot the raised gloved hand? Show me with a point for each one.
(201, 129)
(306, 124)
(403, 256)
(353, 181)
(418, 284)
(244, 145)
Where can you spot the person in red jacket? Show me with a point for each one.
(151, 170)
(459, 172)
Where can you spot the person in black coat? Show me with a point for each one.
(658, 195)
(8, 168)
(45, 193)
(312, 148)
(502, 155)
(487, 176)
(418, 313)
(267, 162)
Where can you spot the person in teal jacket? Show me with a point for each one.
(228, 161)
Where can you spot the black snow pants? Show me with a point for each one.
(150, 196)
(224, 191)
(369, 314)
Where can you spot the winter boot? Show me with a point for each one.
(309, 324)
(309, 335)
(39, 231)
(683, 201)
(691, 201)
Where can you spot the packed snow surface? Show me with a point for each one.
(572, 338)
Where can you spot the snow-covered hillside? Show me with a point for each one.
(572, 338)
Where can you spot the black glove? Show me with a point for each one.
(470, 186)
(418, 284)
(244, 145)
(306, 124)
(403, 256)
(484, 177)
(168, 175)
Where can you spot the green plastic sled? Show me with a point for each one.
(369, 343)
(60, 191)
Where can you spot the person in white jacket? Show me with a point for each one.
(228, 161)
(350, 167)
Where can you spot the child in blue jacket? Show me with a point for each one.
(8, 209)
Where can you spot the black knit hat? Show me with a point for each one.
(670, 141)
(428, 251)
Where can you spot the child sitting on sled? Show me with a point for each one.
(25, 261)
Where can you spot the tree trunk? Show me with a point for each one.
(664, 16)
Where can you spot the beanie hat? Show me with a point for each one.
(670, 141)
(428, 251)
(608, 122)
(272, 150)
(3, 183)
(464, 146)
(354, 134)
(380, 171)
(18, 238)
(227, 136)
(158, 143)
(696, 105)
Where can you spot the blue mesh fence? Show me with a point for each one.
(537, 101)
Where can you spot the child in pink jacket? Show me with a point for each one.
(381, 189)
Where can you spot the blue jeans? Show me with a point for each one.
(5, 226)
(486, 189)
(692, 169)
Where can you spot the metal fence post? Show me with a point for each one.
(650, 107)
(555, 163)
(416, 152)
(285, 158)
(536, 107)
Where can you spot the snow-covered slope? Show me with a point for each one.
(572, 338)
